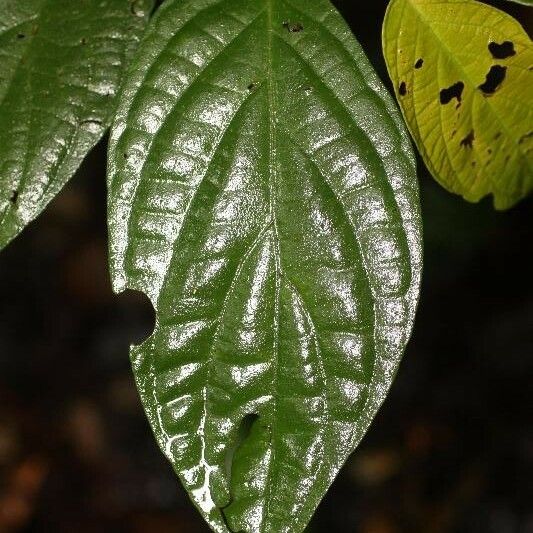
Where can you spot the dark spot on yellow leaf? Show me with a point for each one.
(293, 27)
(468, 141)
(495, 77)
(454, 91)
(402, 89)
(502, 50)
(419, 63)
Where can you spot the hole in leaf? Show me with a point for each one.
(402, 89)
(243, 433)
(494, 79)
(14, 197)
(468, 141)
(136, 316)
(454, 91)
(293, 27)
(419, 63)
(503, 50)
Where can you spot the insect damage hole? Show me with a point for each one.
(245, 428)
(495, 77)
(14, 197)
(135, 315)
(502, 50)
(402, 89)
(468, 141)
(454, 91)
(241, 435)
(293, 27)
(419, 63)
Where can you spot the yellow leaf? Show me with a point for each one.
(463, 74)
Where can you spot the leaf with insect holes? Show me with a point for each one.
(62, 62)
(463, 77)
(263, 194)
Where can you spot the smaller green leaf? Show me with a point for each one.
(61, 65)
(462, 72)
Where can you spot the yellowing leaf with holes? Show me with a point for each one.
(262, 192)
(463, 75)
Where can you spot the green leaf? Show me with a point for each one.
(62, 62)
(462, 74)
(262, 192)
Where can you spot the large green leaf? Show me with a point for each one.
(462, 72)
(262, 192)
(61, 64)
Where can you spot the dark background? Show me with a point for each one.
(450, 451)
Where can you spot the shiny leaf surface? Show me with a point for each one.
(262, 192)
(462, 73)
(61, 65)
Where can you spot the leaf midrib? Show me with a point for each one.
(272, 180)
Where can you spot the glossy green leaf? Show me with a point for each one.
(462, 73)
(262, 193)
(61, 65)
